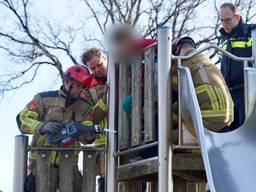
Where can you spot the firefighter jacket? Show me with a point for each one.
(53, 106)
(97, 96)
(211, 90)
(239, 43)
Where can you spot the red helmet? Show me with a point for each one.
(176, 42)
(80, 74)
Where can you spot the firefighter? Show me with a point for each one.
(236, 39)
(97, 63)
(46, 113)
(212, 92)
(94, 59)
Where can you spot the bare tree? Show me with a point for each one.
(144, 14)
(31, 44)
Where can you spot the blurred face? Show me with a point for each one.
(73, 87)
(228, 19)
(124, 48)
(98, 66)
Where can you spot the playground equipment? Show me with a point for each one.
(227, 159)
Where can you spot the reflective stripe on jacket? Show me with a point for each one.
(97, 96)
(239, 43)
(212, 92)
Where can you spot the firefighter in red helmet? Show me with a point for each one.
(47, 112)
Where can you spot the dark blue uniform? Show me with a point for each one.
(239, 43)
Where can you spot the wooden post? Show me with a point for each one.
(43, 171)
(136, 101)
(123, 119)
(89, 171)
(149, 95)
(66, 167)
(135, 186)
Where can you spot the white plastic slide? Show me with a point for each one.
(229, 158)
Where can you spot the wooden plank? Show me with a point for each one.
(188, 162)
(123, 186)
(136, 102)
(179, 184)
(43, 171)
(123, 119)
(182, 162)
(201, 187)
(187, 176)
(137, 169)
(149, 95)
(135, 186)
(66, 166)
(152, 186)
(89, 171)
(192, 187)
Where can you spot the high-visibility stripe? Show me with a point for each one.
(207, 88)
(201, 89)
(87, 123)
(28, 118)
(217, 97)
(101, 105)
(218, 113)
(241, 44)
(174, 80)
(213, 98)
(236, 43)
(221, 99)
(215, 89)
(224, 44)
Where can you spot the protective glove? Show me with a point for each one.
(86, 132)
(51, 127)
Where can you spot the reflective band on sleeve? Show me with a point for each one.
(101, 105)
(29, 119)
(213, 98)
(224, 44)
(221, 113)
(221, 99)
(235, 43)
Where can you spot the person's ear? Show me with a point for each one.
(238, 16)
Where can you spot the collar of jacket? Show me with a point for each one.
(62, 92)
(237, 29)
(69, 100)
(101, 80)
